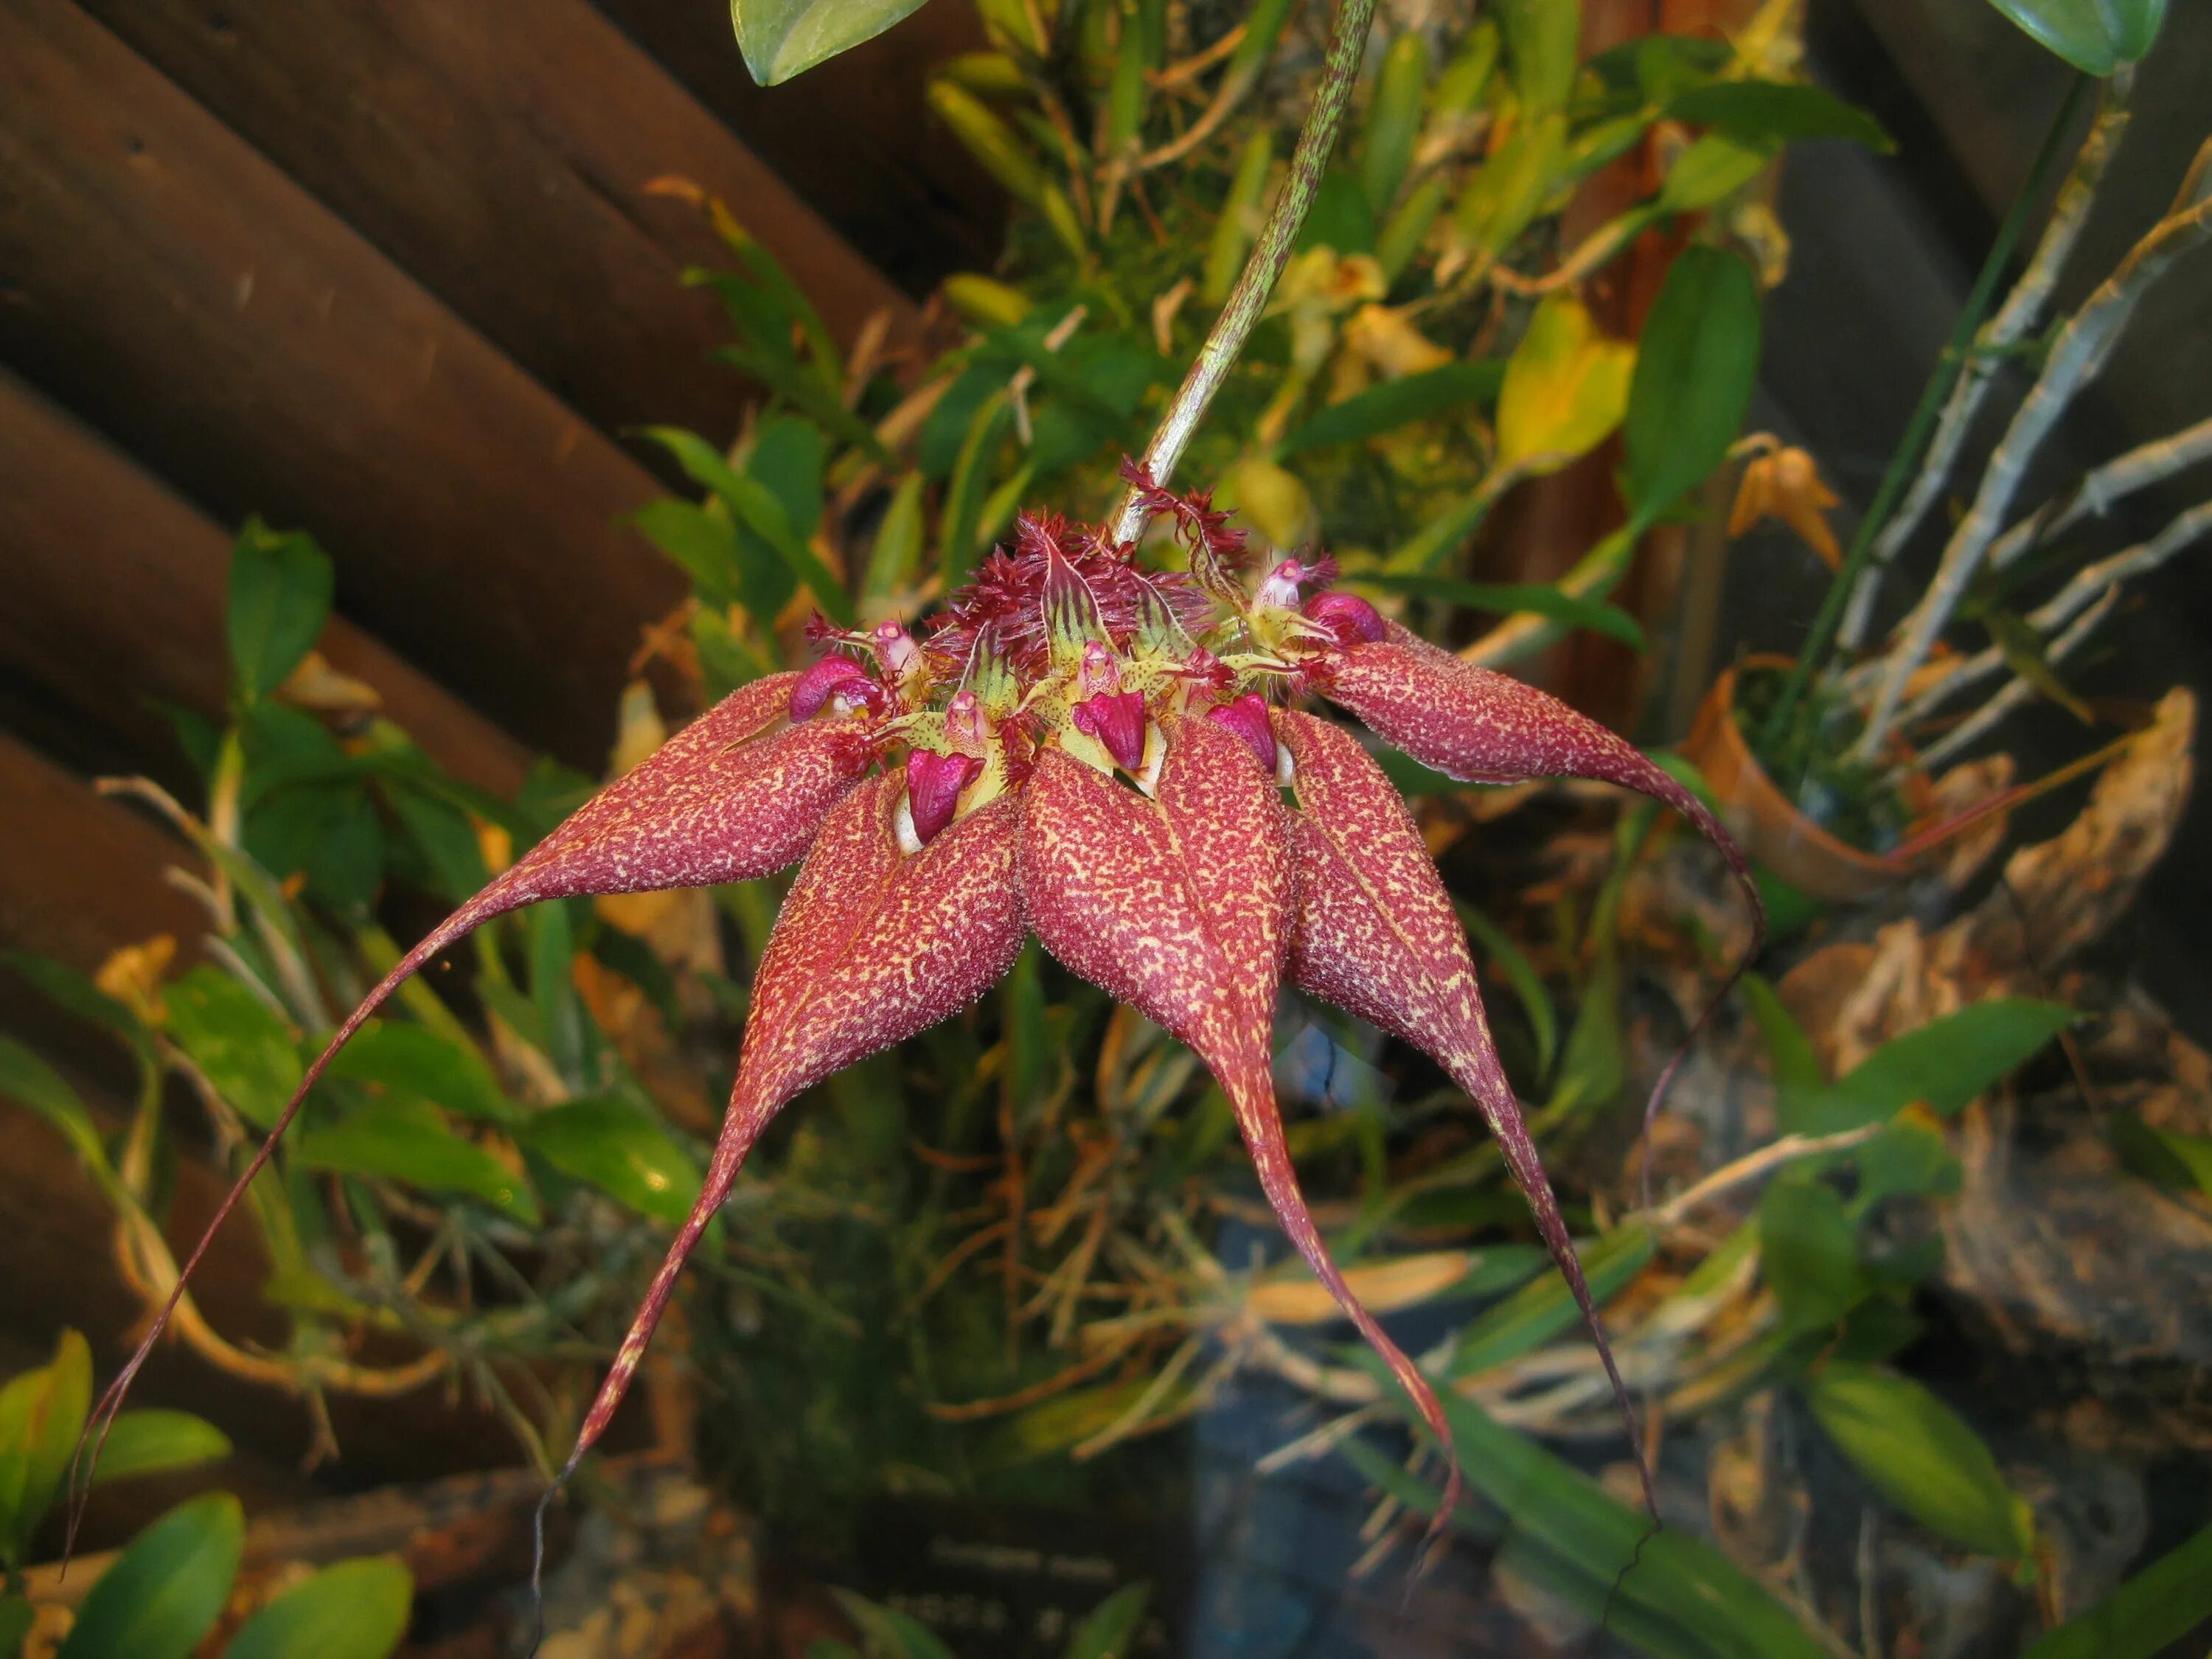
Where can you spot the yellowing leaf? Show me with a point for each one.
(1567, 389)
(1382, 1285)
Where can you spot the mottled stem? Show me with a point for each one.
(2076, 356)
(2022, 307)
(1316, 139)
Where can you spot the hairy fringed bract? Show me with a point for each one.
(1096, 752)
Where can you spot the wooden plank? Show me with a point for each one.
(115, 595)
(497, 153)
(171, 285)
(851, 136)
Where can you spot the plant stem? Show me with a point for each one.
(1316, 139)
(1932, 396)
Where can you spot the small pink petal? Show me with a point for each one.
(1118, 721)
(933, 783)
(871, 946)
(1248, 718)
(811, 690)
(1351, 618)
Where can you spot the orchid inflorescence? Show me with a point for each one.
(1114, 758)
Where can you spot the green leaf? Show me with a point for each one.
(1710, 169)
(1943, 1065)
(1543, 45)
(1566, 387)
(959, 526)
(328, 833)
(1393, 119)
(167, 1590)
(2167, 1157)
(1667, 1574)
(2024, 653)
(760, 511)
(783, 37)
(1799, 1082)
(889, 1633)
(786, 457)
(1340, 217)
(2095, 36)
(1909, 1156)
(1695, 368)
(1112, 1625)
(1511, 186)
(625, 1152)
(894, 559)
(1390, 404)
(2154, 1609)
(279, 596)
(353, 1609)
(1541, 1310)
(36, 1087)
(1917, 1453)
(1758, 114)
(402, 1139)
(42, 1412)
(17, 1617)
(238, 1041)
(417, 1060)
(1511, 599)
(158, 1441)
(1528, 984)
(1809, 1252)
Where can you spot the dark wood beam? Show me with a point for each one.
(498, 153)
(171, 285)
(117, 593)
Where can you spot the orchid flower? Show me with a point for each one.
(1100, 754)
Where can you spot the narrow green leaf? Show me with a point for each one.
(1390, 404)
(1696, 366)
(889, 1633)
(755, 508)
(1667, 1574)
(2154, 1608)
(1943, 1065)
(36, 1087)
(1920, 1455)
(1709, 170)
(1528, 984)
(1111, 1627)
(417, 1060)
(279, 596)
(1809, 1252)
(625, 1152)
(959, 526)
(42, 1412)
(787, 456)
(1393, 119)
(1543, 46)
(783, 37)
(402, 1139)
(353, 1609)
(17, 1617)
(2167, 1157)
(895, 560)
(158, 1441)
(1758, 114)
(1541, 1310)
(167, 1590)
(1799, 1081)
(238, 1041)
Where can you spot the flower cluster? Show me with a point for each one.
(1119, 760)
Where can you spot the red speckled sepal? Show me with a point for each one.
(1180, 906)
(717, 802)
(873, 946)
(1376, 934)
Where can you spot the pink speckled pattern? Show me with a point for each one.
(871, 946)
(1182, 907)
(717, 802)
(1376, 934)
